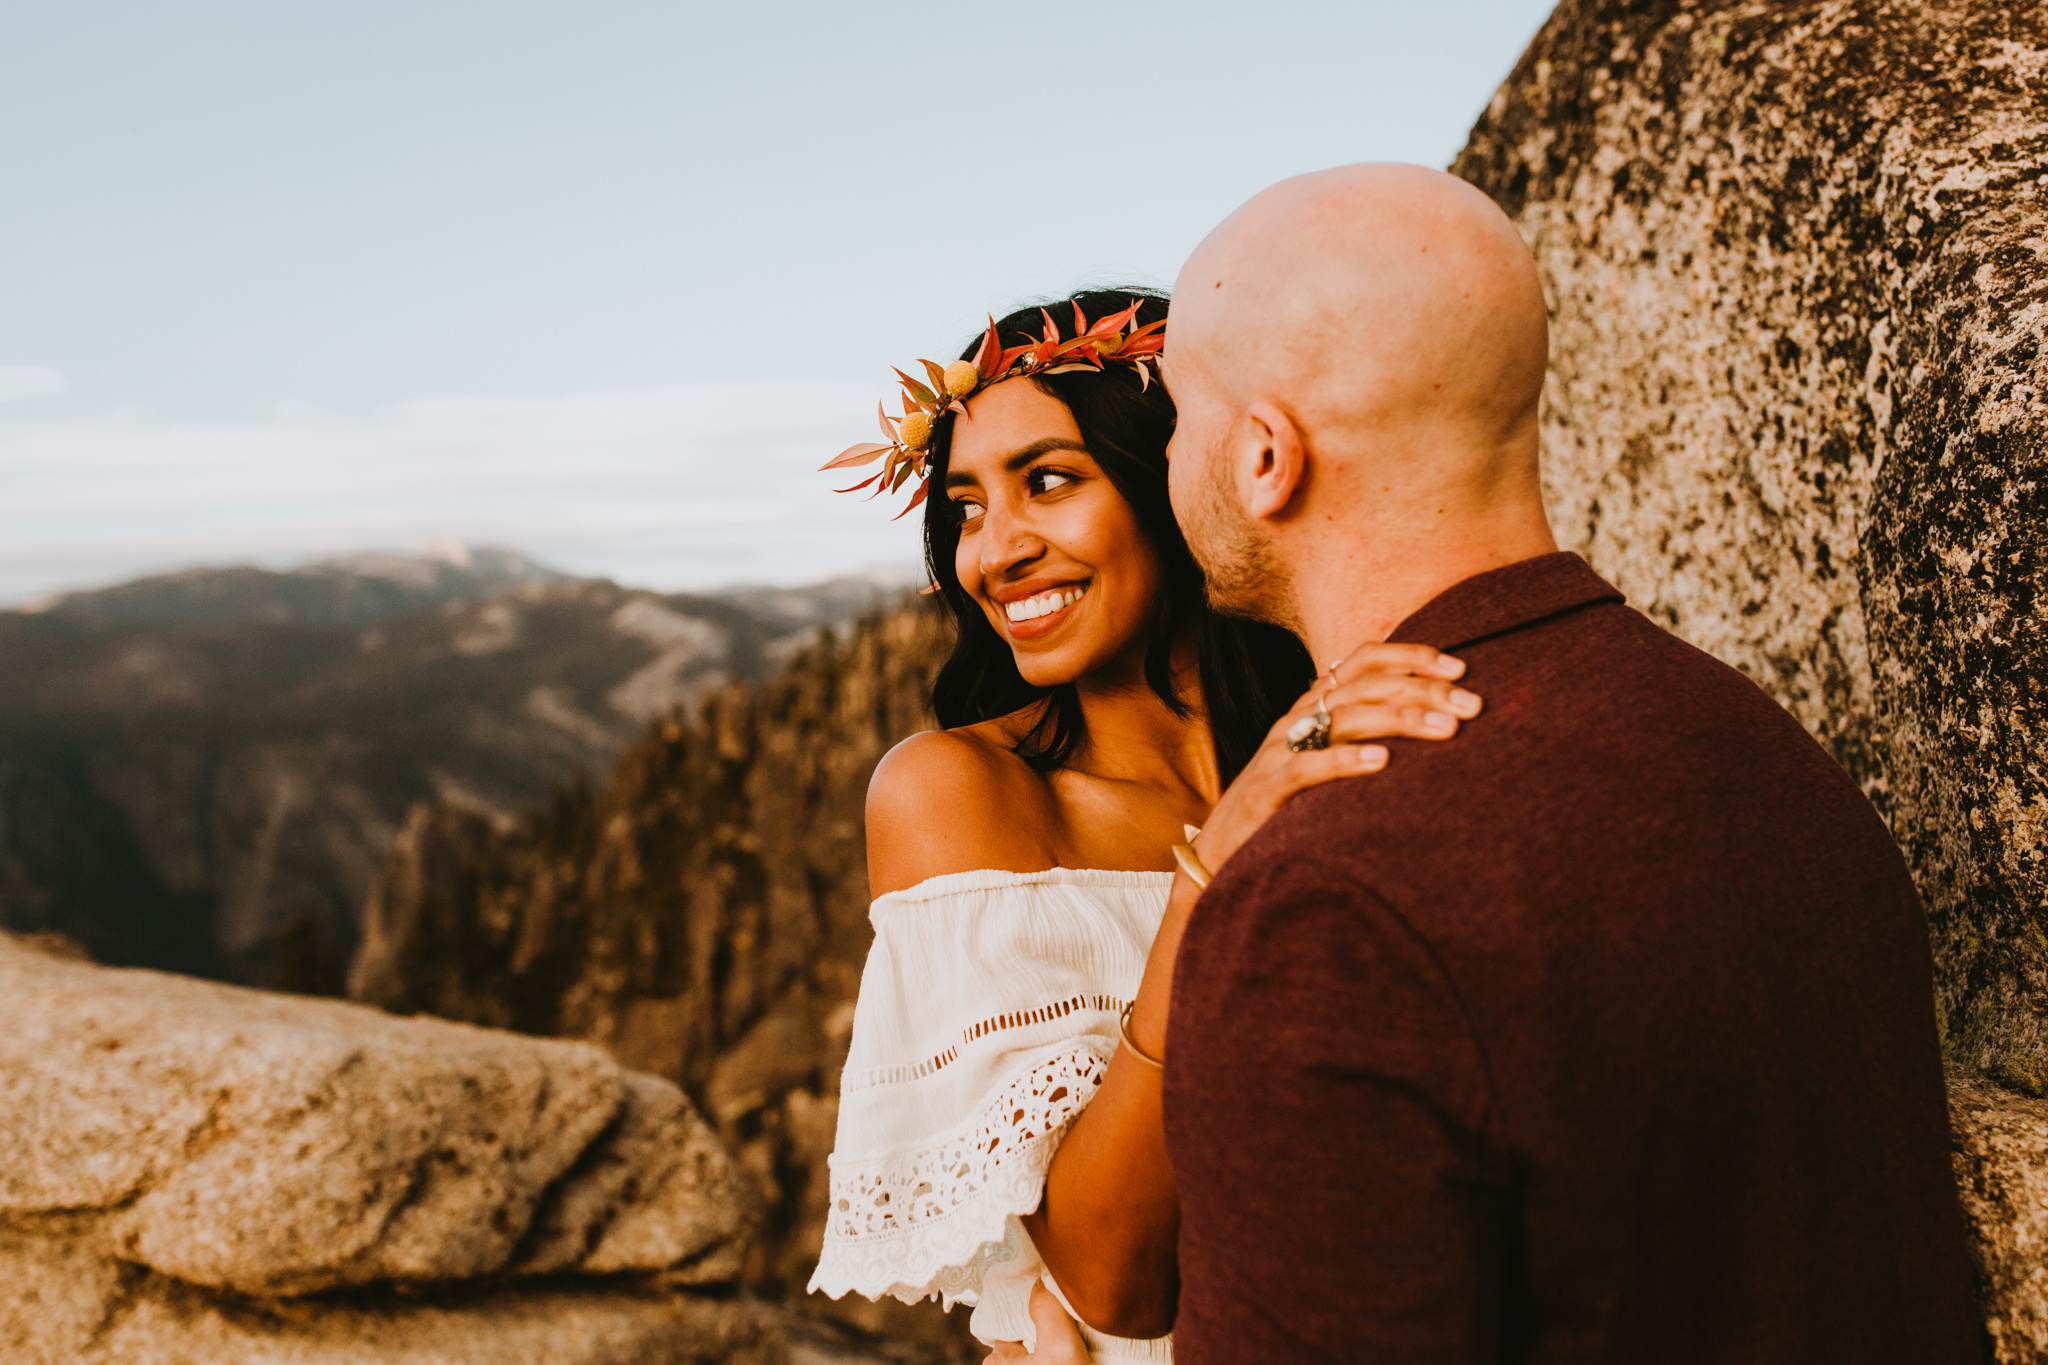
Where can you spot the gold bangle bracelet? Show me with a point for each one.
(1191, 863)
(1123, 1028)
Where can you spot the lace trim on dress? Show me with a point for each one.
(892, 1075)
(932, 1220)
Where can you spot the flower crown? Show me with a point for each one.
(1092, 347)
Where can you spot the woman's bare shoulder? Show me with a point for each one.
(956, 801)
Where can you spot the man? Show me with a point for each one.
(1603, 1033)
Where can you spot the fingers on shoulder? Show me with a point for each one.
(1315, 767)
(1422, 660)
(1399, 688)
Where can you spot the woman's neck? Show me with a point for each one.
(1134, 736)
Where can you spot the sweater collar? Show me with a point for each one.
(1505, 599)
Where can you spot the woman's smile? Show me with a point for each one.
(1033, 611)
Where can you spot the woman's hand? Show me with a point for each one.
(1380, 691)
(1110, 1219)
(1059, 1340)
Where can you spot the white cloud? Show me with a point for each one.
(684, 485)
(28, 381)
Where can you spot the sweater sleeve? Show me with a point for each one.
(1327, 1107)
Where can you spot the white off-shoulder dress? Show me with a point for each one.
(986, 1020)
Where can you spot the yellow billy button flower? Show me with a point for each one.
(916, 431)
(961, 377)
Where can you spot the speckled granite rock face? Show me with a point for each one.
(2001, 1158)
(1797, 256)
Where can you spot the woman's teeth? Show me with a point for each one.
(1044, 604)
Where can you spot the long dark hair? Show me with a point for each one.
(1250, 673)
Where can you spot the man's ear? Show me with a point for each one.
(1273, 461)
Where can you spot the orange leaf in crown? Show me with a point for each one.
(1048, 345)
(1008, 360)
(1115, 322)
(915, 499)
(923, 395)
(985, 360)
(856, 454)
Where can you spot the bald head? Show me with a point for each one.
(1368, 294)
(1379, 332)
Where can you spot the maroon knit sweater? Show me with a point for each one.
(1603, 1032)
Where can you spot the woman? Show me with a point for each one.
(1021, 857)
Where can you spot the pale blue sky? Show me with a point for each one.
(227, 225)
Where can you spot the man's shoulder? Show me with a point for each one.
(1594, 720)
(1605, 676)
(1613, 646)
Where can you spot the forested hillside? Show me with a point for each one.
(203, 772)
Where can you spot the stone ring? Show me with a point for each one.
(1310, 732)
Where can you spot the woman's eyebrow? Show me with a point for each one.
(1038, 448)
(961, 479)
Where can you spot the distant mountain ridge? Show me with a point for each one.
(349, 592)
(203, 771)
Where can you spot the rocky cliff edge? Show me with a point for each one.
(194, 1172)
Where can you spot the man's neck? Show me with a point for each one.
(1363, 591)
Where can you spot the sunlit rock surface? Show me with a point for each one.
(270, 1144)
(189, 1170)
(50, 1316)
(1797, 256)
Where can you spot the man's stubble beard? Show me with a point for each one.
(1242, 575)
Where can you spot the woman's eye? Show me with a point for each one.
(965, 512)
(1049, 480)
